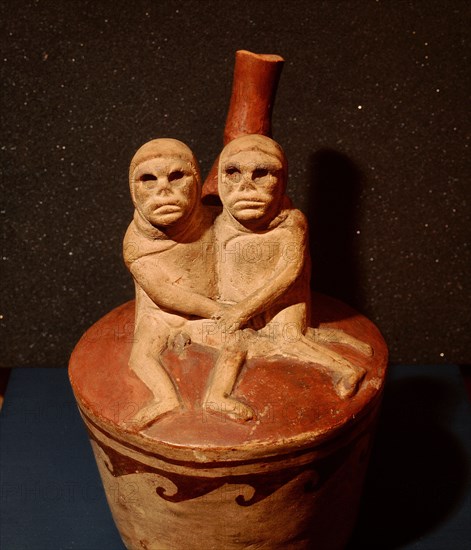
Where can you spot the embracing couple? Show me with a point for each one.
(235, 278)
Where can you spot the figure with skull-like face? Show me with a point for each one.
(263, 272)
(163, 250)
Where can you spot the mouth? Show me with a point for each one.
(244, 204)
(167, 209)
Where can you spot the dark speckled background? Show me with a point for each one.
(372, 110)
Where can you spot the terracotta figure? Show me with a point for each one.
(263, 270)
(162, 249)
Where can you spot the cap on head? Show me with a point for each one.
(164, 147)
(255, 142)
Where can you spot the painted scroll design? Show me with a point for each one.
(189, 487)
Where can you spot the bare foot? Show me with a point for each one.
(228, 407)
(348, 384)
(362, 347)
(150, 414)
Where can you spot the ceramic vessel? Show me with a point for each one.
(291, 480)
(226, 410)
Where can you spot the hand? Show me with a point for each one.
(232, 319)
(220, 311)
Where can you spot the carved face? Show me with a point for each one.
(165, 190)
(252, 180)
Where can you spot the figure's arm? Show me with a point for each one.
(170, 297)
(288, 269)
(139, 257)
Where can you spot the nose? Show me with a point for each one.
(162, 187)
(246, 181)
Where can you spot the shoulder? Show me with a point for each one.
(295, 219)
(299, 217)
(130, 244)
(137, 245)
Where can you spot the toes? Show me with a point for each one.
(148, 415)
(348, 385)
(229, 408)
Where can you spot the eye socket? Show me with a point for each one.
(233, 173)
(175, 175)
(147, 177)
(259, 173)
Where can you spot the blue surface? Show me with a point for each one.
(51, 493)
(417, 494)
(418, 489)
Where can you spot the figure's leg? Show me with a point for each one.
(337, 336)
(150, 342)
(218, 397)
(284, 335)
(346, 376)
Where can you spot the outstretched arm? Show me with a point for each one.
(170, 297)
(140, 255)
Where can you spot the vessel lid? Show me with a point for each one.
(296, 406)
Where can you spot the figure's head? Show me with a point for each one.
(252, 179)
(165, 182)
